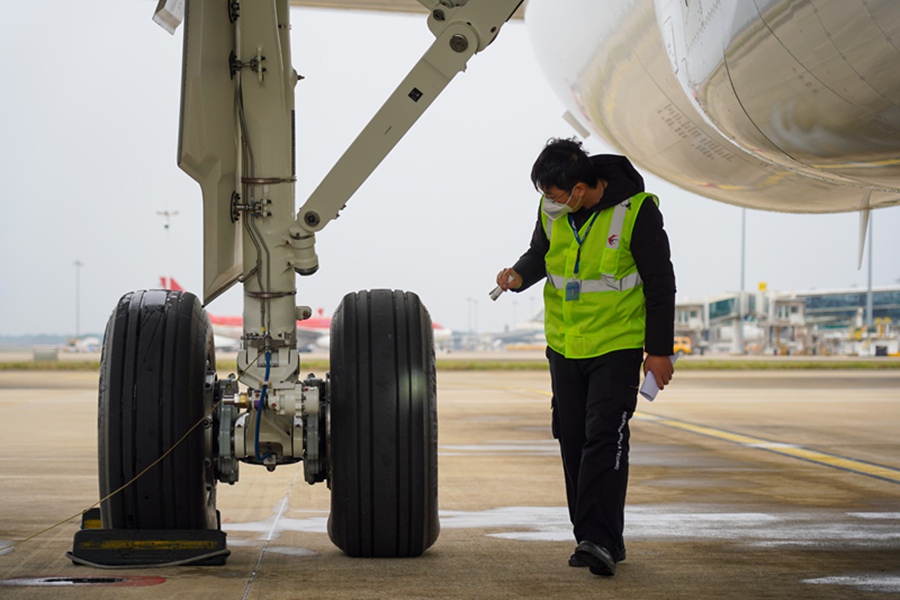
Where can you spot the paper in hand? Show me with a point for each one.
(650, 388)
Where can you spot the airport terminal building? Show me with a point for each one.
(812, 322)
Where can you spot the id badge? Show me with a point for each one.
(573, 291)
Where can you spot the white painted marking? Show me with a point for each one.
(62, 581)
(869, 583)
(290, 551)
(773, 446)
(281, 507)
(274, 529)
(891, 516)
(33, 582)
(501, 448)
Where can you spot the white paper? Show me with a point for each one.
(650, 388)
(169, 14)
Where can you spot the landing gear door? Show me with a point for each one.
(208, 139)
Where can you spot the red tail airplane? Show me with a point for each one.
(314, 331)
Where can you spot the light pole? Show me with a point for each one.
(78, 264)
(869, 291)
(737, 346)
(167, 215)
(473, 310)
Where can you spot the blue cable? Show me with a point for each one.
(262, 405)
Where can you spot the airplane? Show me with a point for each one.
(312, 333)
(768, 104)
(526, 335)
(228, 329)
(84, 344)
(779, 105)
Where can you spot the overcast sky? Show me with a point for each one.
(89, 122)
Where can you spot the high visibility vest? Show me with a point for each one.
(609, 313)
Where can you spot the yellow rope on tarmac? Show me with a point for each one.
(111, 494)
(4, 549)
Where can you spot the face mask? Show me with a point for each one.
(554, 210)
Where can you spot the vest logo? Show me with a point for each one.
(612, 241)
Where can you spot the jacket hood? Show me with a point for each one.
(623, 180)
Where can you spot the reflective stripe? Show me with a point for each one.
(606, 283)
(615, 228)
(548, 226)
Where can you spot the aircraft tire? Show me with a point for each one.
(383, 426)
(157, 353)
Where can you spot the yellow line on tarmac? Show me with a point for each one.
(132, 544)
(814, 456)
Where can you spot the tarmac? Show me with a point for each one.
(743, 485)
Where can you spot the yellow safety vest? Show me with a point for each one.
(605, 309)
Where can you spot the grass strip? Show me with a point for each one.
(491, 364)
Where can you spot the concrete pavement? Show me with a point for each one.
(763, 485)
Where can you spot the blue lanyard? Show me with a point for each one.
(580, 239)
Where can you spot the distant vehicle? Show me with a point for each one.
(683, 345)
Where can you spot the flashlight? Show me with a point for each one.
(495, 293)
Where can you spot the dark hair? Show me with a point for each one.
(562, 164)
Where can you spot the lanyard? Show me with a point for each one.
(580, 239)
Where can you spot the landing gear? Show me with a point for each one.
(370, 429)
(156, 382)
(383, 438)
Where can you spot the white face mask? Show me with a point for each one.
(555, 210)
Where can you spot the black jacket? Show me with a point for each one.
(649, 246)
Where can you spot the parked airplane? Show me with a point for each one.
(88, 343)
(312, 333)
(527, 335)
(228, 329)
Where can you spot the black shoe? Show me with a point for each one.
(597, 558)
(574, 561)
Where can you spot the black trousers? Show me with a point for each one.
(593, 400)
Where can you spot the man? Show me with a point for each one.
(609, 295)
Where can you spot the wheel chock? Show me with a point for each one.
(94, 546)
(90, 519)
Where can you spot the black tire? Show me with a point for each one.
(383, 426)
(157, 352)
